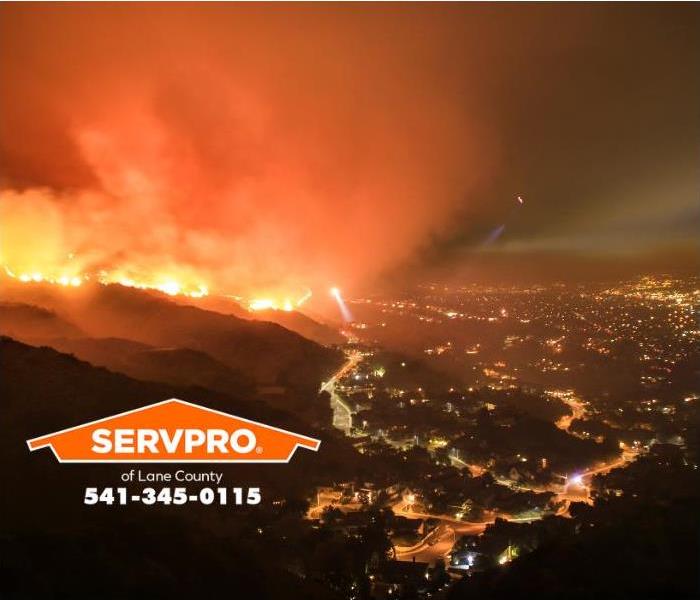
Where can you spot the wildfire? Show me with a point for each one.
(285, 304)
(166, 284)
(38, 277)
(262, 304)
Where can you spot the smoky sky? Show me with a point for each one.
(264, 146)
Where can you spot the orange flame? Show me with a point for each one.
(286, 304)
(38, 277)
(165, 283)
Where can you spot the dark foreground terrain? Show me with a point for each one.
(639, 540)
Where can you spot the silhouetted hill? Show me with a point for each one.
(44, 390)
(625, 548)
(267, 352)
(293, 320)
(303, 325)
(100, 352)
(110, 551)
(27, 322)
(177, 366)
(221, 304)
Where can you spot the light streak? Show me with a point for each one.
(494, 235)
(498, 231)
(344, 310)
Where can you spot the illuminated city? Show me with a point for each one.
(436, 263)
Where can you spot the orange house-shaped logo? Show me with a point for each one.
(173, 431)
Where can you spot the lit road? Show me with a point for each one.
(439, 544)
(430, 550)
(578, 411)
(475, 470)
(405, 510)
(628, 455)
(434, 547)
(342, 413)
(578, 488)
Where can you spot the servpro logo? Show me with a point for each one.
(173, 431)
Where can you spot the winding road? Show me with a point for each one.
(342, 413)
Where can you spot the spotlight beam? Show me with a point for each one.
(344, 310)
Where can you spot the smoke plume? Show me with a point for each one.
(251, 148)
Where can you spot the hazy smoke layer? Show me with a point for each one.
(254, 147)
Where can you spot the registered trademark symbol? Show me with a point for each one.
(259, 450)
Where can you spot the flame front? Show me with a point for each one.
(182, 285)
(35, 276)
(285, 303)
(172, 286)
(167, 284)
